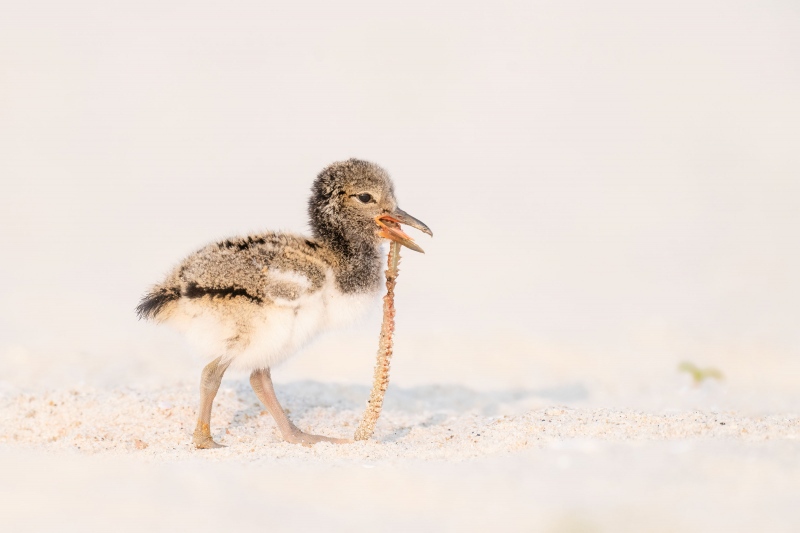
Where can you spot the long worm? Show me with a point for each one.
(381, 377)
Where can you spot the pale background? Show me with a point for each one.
(614, 186)
(609, 179)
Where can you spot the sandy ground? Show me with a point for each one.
(443, 458)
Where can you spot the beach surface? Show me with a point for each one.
(582, 456)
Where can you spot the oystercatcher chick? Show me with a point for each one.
(251, 302)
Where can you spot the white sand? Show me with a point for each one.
(90, 458)
(500, 433)
(540, 439)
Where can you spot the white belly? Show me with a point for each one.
(266, 336)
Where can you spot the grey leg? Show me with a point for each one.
(209, 385)
(261, 381)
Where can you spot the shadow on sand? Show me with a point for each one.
(300, 396)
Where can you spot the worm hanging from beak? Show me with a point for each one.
(389, 225)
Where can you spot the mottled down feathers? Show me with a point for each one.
(280, 267)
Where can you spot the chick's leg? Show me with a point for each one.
(261, 381)
(210, 379)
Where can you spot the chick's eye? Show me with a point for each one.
(365, 197)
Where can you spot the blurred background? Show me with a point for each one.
(614, 186)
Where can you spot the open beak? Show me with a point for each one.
(389, 224)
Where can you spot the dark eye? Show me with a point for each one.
(364, 197)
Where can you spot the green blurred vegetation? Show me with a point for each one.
(700, 374)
